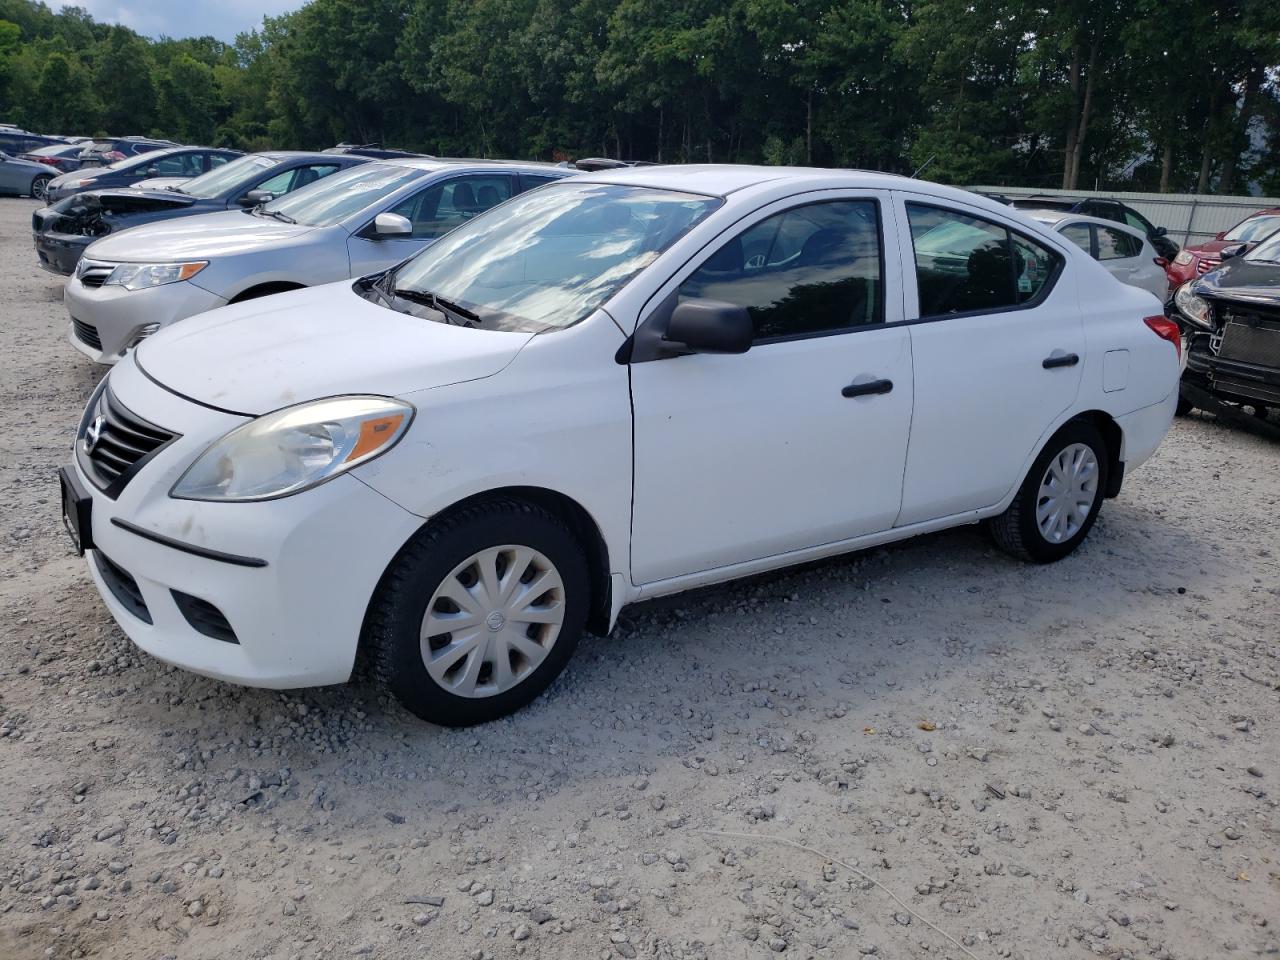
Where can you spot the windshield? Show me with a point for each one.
(1255, 228)
(221, 179)
(548, 258)
(342, 194)
(1268, 251)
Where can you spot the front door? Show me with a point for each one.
(998, 348)
(801, 440)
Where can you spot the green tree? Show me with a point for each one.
(188, 103)
(65, 96)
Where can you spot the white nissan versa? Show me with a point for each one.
(617, 386)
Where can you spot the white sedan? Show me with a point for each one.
(1124, 252)
(621, 385)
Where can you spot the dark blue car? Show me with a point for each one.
(63, 230)
(185, 162)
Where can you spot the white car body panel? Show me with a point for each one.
(694, 469)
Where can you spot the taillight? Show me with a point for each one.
(1166, 329)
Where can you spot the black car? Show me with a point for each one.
(108, 150)
(16, 142)
(63, 230)
(1230, 320)
(1107, 210)
(184, 162)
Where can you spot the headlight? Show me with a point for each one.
(139, 276)
(1195, 309)
(87, 182)
(294, 449)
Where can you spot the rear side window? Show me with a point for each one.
(810, 270)
(966, 264)
(1117, 245)
(1078, 233)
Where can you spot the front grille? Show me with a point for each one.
(86, 333)
(204, 617)
(116, 443)
(1251, 338)
(123, 587)
(93, 273)
(1204, 266)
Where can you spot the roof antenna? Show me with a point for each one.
(921, 169)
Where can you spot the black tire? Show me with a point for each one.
(40, 188)
(1016, 532)
(1184, 407)
(396, 613)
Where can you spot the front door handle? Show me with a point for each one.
(870, 388)
(1064, 360)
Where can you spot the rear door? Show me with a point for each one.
(433, 212)
(996, 340)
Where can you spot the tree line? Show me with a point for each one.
(1169, 95)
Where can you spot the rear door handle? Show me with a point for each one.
(870, 388)
(1065, 360)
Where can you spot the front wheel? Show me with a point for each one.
(40, 188)
(1060, 498)
(479, 613)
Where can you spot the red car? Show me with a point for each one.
(1196, 261)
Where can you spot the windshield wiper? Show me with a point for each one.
(446, 307)
(276, 214)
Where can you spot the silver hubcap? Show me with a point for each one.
(40, 190)
(1067, 493)
(492, 621)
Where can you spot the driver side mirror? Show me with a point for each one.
(1234, 250)
(153, 171)
(255, 197)
(710, 326)
(1161, 232)
(391, 225)
(1220, 235)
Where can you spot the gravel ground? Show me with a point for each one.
(986, 759)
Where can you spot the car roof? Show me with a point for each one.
(433, 164)
(721, 180)
(306, 155)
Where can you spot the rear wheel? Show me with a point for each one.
(479, 613)
(40, 187)
(1060, 498)
(1185, 406)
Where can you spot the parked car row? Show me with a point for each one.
(455, 412)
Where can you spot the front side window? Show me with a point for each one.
(966, 264)
(296, 178)
(1117, 245)
(438, 209)
(545, 260)
(814, 269)
(180, 165)
(344, 194)
(1135, 220)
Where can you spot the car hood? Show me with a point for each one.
(1242, 279)
(1210, 247)
(201, 237)
(261, 355)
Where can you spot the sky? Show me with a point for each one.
(185, 18)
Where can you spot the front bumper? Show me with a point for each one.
(60, 252)
(296, 620)
(106, 321)
(1234, 380)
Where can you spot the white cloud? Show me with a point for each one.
(187, 18)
